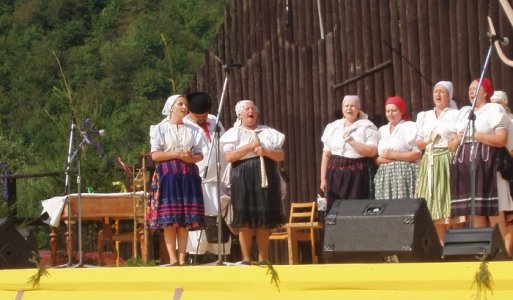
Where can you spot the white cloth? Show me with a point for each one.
(204, 245)
(502, 184)
(199, 236)
(237, 137)
(209, 187)
(505, 200)
(209, 145)
(53, 207)
(509, 145)
(435, 131)
(209, 183)
(489, 117)
(428, 125)
(174, 137)
(362, 131)
(401, 139)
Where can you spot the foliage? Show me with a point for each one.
(138, 262)
(483, 279)
(41, 271)
(275, 278)
(118, 73)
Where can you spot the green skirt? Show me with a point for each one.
(433, 183)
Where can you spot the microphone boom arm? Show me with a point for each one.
(509, 14)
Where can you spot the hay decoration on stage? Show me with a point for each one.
(483, 279)
(270, 270)
(35, 279)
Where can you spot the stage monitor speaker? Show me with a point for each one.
(380, 231)
(15, 250)
(469, 244)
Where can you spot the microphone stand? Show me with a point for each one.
(76, 153)
(471, 127)
(67, 189)
(215, 140)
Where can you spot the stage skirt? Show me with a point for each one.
(486, 196)
(396, 180)
(348, 178)
(176, 197)
(254, 206)
(433, 183)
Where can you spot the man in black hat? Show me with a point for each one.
(200, 105)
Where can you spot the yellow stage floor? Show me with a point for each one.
(331, 281)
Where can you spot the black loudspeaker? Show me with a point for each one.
(380, 231)
(469, 244)
(15, 250)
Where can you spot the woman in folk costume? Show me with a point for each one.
(253, 151)
(506, 190)
(397, 153)
(176, 199)
(348, 144)
(435, 127)
(491, 133)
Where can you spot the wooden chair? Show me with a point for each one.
(301, 227)
(134, 237)
(139, 233)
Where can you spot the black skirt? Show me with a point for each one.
(486, 195)
(254, 206)
(348, 178)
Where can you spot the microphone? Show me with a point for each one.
(100, 132)
(233, 66)
(89, 135)
(504, 41)
(92, 133)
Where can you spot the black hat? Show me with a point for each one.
(199, 102)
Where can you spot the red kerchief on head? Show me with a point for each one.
(399, 102)
(487, 87)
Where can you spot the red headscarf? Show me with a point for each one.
(487, 87)
(399, 102)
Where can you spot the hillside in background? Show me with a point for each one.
(113, 62)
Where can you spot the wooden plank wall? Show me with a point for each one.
(291, 72)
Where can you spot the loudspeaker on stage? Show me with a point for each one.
(15, 247)
(469, 244)
(380, 231)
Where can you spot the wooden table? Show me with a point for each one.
(101, 207)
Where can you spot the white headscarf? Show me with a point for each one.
(352, 98)
(169, 104)
(356, 100)
(500, 97)
(447, 85)
(239, 107)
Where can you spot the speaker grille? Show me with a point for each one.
(374, 230)
(15, 251)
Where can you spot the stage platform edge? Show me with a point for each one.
(324, 281)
